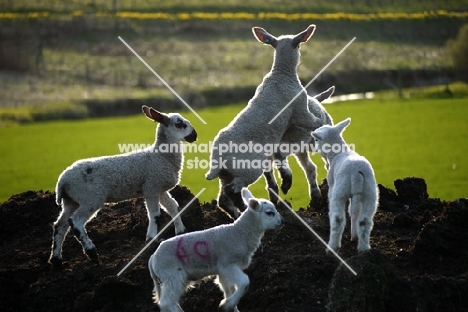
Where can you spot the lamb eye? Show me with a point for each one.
(180, 124)
(270, 213)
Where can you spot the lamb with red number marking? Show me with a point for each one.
(184, 259)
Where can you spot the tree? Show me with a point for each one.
(458, 51)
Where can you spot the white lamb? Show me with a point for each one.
(236, 169)
(87, 184)
(300, 137)
(224, 251)
(350, 177)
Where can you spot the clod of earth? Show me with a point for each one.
(418, 260)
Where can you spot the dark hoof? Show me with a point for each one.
(330, 253)
(156, 242)
(316, 195)
(182, 232)
(56, 262)
(234, 215)
(286, 185)
(272, 195)
(92, 255)
(274, 199)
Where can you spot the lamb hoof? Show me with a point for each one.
(363, 249)
(316, 193)
(56, 262)
(157, 241)
(225, 308)
(274, 200)
(286, 185)
(234, 215)
(328, 251)
(181, 232)
(92, 255)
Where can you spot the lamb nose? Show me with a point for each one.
(192, 137)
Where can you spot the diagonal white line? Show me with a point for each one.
(316, 76)
(162, 80)
(161, 231)
(313, 232)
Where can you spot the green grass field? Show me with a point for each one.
(402, 138)
(412, 137)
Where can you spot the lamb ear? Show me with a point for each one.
(264, 37)
(303, 36)
(156, 116)
(325, 94)
(343, 124)
(315, 135)
(246, 195)
(254, 204)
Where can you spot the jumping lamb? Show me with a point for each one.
(350, 177)
(223, 251)
(297, 137)
(87, 184)
(236, 169)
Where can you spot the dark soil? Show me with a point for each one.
(419, 260)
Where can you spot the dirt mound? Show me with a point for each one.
(418, 261)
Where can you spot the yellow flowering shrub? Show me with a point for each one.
(184, 16)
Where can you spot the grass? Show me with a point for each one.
(411, 137)
(91, 63)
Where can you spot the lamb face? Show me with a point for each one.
(269, 218)
(182, 128)
(326, 136)
(179, 128)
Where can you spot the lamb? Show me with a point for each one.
(224, 251)
(251, 126)
(350, 177)
(301, 138)
(87, 184)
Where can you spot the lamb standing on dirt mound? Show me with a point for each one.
(251, 126)
(224, 250)
(350, 177)
(88, 183)
(300, 137)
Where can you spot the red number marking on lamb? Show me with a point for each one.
(181, 253)
(202, 249)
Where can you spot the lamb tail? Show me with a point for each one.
(357, 187)
(357, 183)
(157, 292)
(156, 281)
(60, 192)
